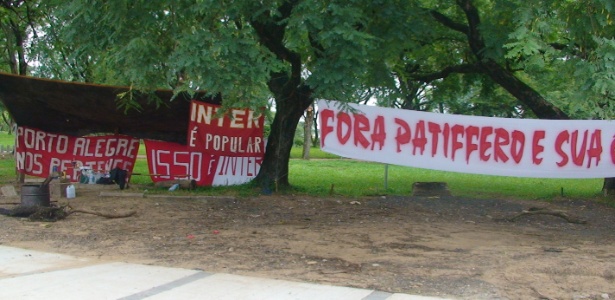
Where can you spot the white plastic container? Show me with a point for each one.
(70, 192)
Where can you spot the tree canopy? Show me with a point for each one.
(513, 58)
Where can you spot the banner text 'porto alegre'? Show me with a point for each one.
(37, 153)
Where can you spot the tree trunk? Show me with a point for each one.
(292, 98)
(273, 174)
(18, 66)
(307, 132)
(15, 47)
(608, 187)
(316, 139)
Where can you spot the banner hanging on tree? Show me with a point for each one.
(238, 133)
(467, 144)
(219, 151)
(171, 161)
(38, 153)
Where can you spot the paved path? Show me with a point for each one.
(28, 274)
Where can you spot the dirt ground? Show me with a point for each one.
(449, 247)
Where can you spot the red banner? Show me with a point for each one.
(37, 153)
(170, 161)
(239, 133)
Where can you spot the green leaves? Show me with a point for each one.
(560, 48)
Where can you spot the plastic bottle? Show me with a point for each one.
(174, 187)
(70, 191)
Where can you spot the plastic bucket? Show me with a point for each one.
(70, 192)
(35, 195)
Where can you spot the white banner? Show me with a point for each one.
(468, 144)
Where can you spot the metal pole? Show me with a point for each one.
(386, 166)
(386, 177)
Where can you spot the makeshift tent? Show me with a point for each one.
(79, 109)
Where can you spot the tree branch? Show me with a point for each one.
(448, 22)
(462, 69)
(516, 87)
(475, 39)
(270, 31)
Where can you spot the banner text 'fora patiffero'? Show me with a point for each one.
(480, 145)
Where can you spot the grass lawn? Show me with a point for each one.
(325, 173)
(6, 139)
(358, 178)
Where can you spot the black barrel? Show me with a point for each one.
(35, 195)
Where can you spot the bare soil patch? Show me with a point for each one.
(435, 246)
